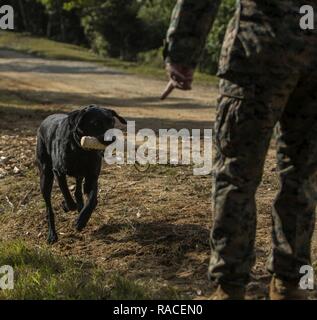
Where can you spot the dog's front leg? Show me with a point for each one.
(91, 191)
(69, 204)
(79, 194)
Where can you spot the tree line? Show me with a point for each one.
(131, 30)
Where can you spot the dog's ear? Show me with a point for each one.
(115, 115)
(75, 117)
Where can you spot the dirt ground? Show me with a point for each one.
(149, 226)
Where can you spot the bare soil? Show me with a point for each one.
(149, 226)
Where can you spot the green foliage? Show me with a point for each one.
(155, 15)
(209, 61)
(152, 58)
(29, 15)
(157, 11)
(125, 29)
(48, 18)
(117, 22)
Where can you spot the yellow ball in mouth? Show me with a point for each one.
(91, 143)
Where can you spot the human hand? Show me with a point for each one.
(181, 77)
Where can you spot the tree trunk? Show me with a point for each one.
(23, 15)
(61, 20)
(49, 26)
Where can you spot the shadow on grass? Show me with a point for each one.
(29, 116)
(40, 274)
(14, 120)
(187, 237)
(64, 98)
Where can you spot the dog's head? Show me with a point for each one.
(93, 121)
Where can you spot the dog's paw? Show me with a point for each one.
(52, 238)
(69, 207)
(80, 226)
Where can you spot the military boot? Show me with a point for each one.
(286, 290)
(228, 292)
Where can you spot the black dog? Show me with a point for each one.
(59, 154)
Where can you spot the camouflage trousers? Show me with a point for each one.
(266, 83)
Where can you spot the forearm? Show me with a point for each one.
(190, 24)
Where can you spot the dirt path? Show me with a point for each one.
(79, 83)
(152, 227)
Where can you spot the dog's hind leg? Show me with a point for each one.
(79, 194)
(69, 204)
(91, 190)
(46, 184)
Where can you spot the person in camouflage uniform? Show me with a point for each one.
(268, 71)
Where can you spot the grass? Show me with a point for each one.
(42, 47)
(45, 48)
(38, 274)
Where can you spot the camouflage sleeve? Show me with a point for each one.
(190, 24)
